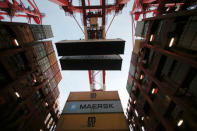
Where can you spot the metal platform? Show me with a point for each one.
(90, 47)
(91, 62)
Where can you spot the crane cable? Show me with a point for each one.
(78, 24)
(110, 24)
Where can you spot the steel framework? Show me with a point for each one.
(91, 14)
(18, 9)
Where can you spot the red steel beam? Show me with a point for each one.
(103, 77)
(90, 77)
(60, 2)
(15, 7)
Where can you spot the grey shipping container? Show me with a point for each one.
(91, 62)
(41, 31)
(44, 64)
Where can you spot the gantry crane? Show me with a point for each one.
(93, 29)
(18, 9)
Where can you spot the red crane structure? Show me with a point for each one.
(18, 9)
(94, 21)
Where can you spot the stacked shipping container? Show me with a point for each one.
(23, 33)
(97, 110)
(29, 83)
(163, 73)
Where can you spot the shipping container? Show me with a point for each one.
(134, 59)
(137, 46)
(17, 63)
(16, 30)
(48, 74)
(40, 31)
(30, 56)
(52, 84)
(58, 77)
(188, 37)
(37, 32)
(98, 122)
(50, 99)
(90, 47)
(91, 62)
(96, 95)
(48, 47)
(48, 31)
(92, 107)
(132, 69)
(55, 68)
(139, 28)
(44, 64)
(6, 37)
(56, 93)
(39, 50)
(24, 86)
(23, 33)
(129, 84)
(52, 58)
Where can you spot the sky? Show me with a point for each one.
(65, 28)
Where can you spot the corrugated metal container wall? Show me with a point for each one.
(39, 51)
(188, 37)
(23, 33)
(48, 31)
(22, 87)
(56, 93)
(44, 64)
(130, 80)
(55, 68)
(50, 99)
(48, 47)
(53, 84)
(52, 58)
(6, 37)
(48, 74)
(30, 56)
(17, 63)
(100, 95)
(37, 32)
(41, 31)
(103, 122)
(134, 58)
(58, 77)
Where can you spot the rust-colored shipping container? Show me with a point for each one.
(104, 122)
(48, 74)
(96, 110)
(30, 55)
(52, 58)
(50, 99)
(53, 84)
(56, 92)
(55, 68)
(6, 37)
(48, 47)
(22, 29)
(99, 95)
(58, 77)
